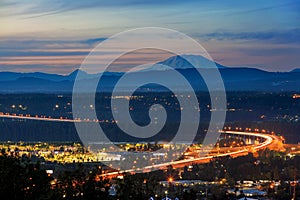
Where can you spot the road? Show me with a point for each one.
(270, 140)
(40, 118)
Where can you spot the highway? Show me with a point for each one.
(41, 118)
(269, 141)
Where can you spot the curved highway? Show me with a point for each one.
(269, 140)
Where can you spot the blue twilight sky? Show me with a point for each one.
(55, 35)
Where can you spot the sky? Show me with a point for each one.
(55, 36)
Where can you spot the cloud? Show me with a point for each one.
(59, 56)
(272, 51)
(265, 8)
(61, 69)
(93, 41)
(288, 36)
(47, 47)
(63, 55)
(50, 7)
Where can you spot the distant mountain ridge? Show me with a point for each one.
(235, 79)
(11, 76)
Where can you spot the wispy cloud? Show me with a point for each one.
(43, 44)
(65, 55)
(288, 36)
(44, 55)
(61, 69)
(274, 5)
(50, 7)
(43, 34)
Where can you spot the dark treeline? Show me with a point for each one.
(23, 179)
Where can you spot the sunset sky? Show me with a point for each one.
(54, 36)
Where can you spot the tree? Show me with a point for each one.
(22, 180)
